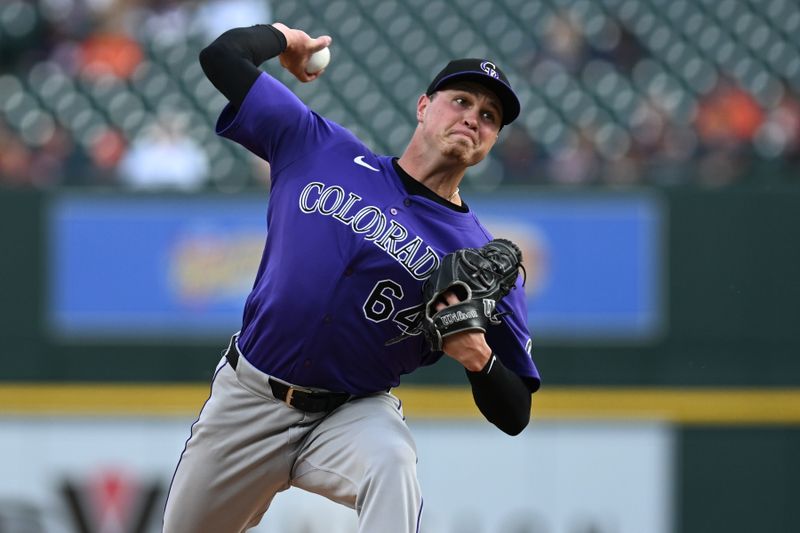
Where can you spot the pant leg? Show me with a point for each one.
(239, 455)
(363, 456)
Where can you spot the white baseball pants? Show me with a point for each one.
(246, 446)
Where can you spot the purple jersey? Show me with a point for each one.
(346, 254)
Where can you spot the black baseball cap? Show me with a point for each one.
(484, 72)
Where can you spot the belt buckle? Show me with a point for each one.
(290, 394)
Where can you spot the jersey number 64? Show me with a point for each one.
(381, 302)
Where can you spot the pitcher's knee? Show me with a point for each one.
(389, 496)
(397, 458)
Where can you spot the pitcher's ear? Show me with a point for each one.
(422, 106)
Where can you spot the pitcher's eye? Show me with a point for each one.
(491, 118)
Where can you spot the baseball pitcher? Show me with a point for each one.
(373, 266)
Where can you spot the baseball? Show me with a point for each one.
(318, 61)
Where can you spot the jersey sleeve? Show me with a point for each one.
(511, 340)
(274, 124)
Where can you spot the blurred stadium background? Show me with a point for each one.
(653, 179)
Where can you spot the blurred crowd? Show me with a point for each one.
(723, 135)
(55, 52)
(50, 137)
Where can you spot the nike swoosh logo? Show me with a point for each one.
(359, 160)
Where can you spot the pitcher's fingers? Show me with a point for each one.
(447, 299)
(321, 42)
(312, 77)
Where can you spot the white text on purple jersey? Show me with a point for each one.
(369, 221)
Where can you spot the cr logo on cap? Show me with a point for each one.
(489, 68)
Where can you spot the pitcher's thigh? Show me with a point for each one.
(233, 463)
(363, 456)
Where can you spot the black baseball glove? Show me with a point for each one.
(480, 278)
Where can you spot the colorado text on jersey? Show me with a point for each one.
(369, 221)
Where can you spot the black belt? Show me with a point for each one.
(298, 397)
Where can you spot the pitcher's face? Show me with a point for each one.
(462, 120)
